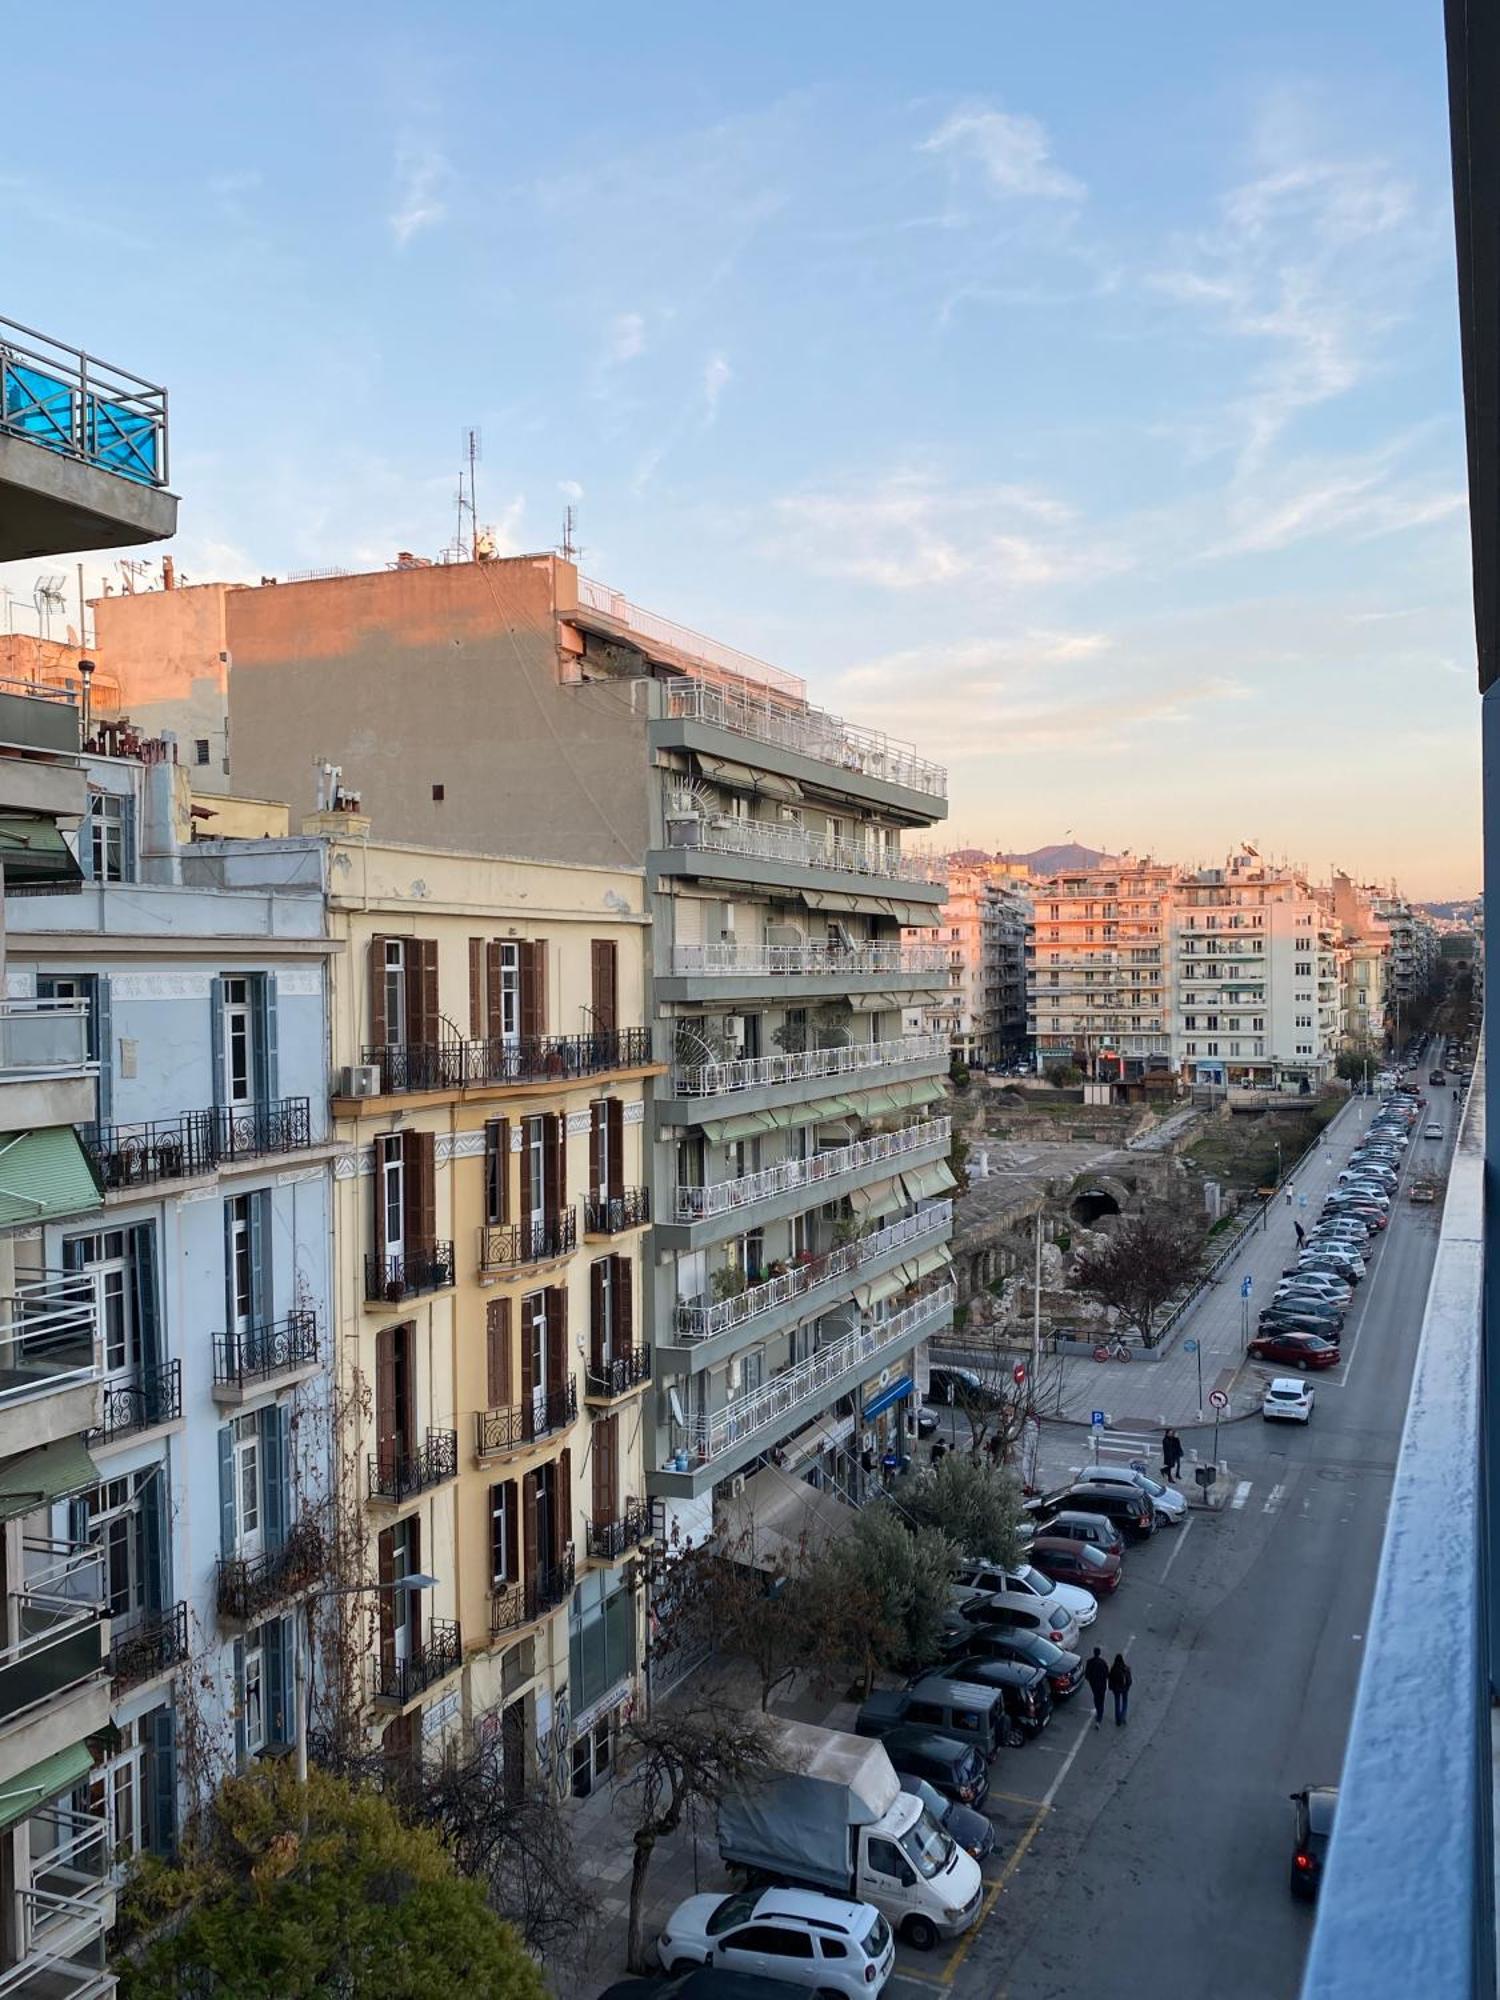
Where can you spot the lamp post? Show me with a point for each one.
(401, 1587)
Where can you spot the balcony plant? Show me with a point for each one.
(728, 1282)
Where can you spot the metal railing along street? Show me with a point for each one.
(697, 1204)
(716, 961)
(70, 402)
(712, 1079)
(769, 840)
(810, 732)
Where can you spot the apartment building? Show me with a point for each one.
(1413, 951)
(1099, 977)
(797, 1140)
(983, 927)
(82, 465)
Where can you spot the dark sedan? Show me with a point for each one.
(1314, 1806)
(1294, 1350)
(1064, 1671)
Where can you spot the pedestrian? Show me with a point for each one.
(1289, 1197)
(1301, 1234)
(1119, 1686)
(1171, 1454)
(1096, 1673)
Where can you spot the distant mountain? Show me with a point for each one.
(1056, 860)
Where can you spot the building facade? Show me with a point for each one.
(1099, 977)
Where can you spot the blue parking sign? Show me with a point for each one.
(1097, 1420)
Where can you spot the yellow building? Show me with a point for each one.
(491, 1213)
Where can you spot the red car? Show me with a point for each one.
(1067, 1561)
(1294, 1350)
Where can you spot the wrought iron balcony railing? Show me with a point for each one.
(607, 1541)
(507, 1243)
(712, 1079)
(147, 1643)
(196, 1142)
(696, 1204)
(613, 1214)
(395, 1475)
(70, 402)
(617, 1374)
(514, 1604)
(491, 1063)
(152, 1396)
(249, 1585)
(261, 1352)
(765, 717)
(388, 1280)
(439, 1654)
(523, 1423)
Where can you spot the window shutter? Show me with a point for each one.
(529, 1550)
(104, 1046)
(494, 1015)
(557, 1336)
(153, 1496)
(262, 1303)
(216, 1033)
(385, 1400)
(604, 956)
(598, 1346)
(127, 840)
(476, 988)
(533, 966)
(562, 1504)
(144, 1298)
(226, 1492)
(375, 972)
(161, 1836)
(598, 1113)
(624, 1304)
(497, 1170)
(498, 1374)
(239, 1701)
(274, 1470)
(528, 1192)
(266, 1051)
(386, 1597)
(557, 1162)
(499, 1564)
(602, 1445)
(420, 1154)
(277, 1720)
(422, 992)
(615, 1112)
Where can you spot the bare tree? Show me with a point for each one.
(1139, 1267)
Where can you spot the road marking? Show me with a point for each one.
(1182, 1535)
(1273, 1500)
(1242, 1493)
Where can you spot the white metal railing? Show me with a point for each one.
(49, 1335)
(711, 1079)
(757, 960)
(699, 1321)
(707, 1437)
(599, 597)
(768, 840)
(65, 1576)
(43, 1037)
(811, 732)
(697, 1204)
(63, 1910)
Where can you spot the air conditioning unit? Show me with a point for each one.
(361, 1080)
(737, 1486)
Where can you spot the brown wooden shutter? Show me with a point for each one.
(528, 1370)
(528, 1524)
(596, 1136)
(385, 1399)
(422, 989)
(624, 1304)
(512, 1532)
(476, 988)
(419, 1151)
(494, 1019)
(378, 1233)
(615, 1112)
(562, 1503)
(557, 1164)
(557, 1337)
(386, 1562)
(498, 1376)
(497, 1170)
(533, 965)
(598, 1279)
(528, 1192)
(604, 956)
(375, 960)
(602, 1443)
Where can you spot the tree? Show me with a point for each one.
(1138, 1268)
(723, 1601)
(907, 1575)
(353, 1903)
(684, 1756)
(1362, 1055)
(975, 1506)
(854, 1622)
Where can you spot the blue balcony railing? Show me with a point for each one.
(1407, 1901)
(70, 402)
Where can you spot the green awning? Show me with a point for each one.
(749, 1124)
(923, 1183)
(49, 1473)
(883, 1288)
(874, 1103)
(877, 1195)
(28, 1791)
(44, 1174)
(724, 770)
(929, 1091)
(34, 855)
(832, 899)
(927, 1263)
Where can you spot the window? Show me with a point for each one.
(244, 1030)
(239, 1041)
(505, 1546)
(395, 1396)
(200, 749)
(107, 841)
(245, 1448)
(246, 1280)
(390, 1191)
(114, 1520)
(107, 1255)
(496, 1170)
(253, 1696)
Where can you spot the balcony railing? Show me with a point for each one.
(146, 1644)
(595, 596)
(514, 1604)
(43, 1038)
(607, 1541)
(197, 1142)
(618, 1374)
(697, 1204)
(725, 961)
(70, 402)
(613, 1214)
(536, 1416)
(440, 1653)
(261, 1352)
(249, 1585)
(62, 1908)
(491, 1063)
(48, 1336)
(769, 840)
(768, 1407)
(151, 1396)
(396, 1475)
(528, 1242)
(703, 1322)
(391, 1279)
(810, 732)
(56, 1614)
(712, 1079)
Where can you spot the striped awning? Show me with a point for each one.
(45, 1174)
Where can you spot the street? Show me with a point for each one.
(1158, 1855)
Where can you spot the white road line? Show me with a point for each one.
(1273, 1500)
(1182, 1534)
(1067, 1763)
(1242, 1493)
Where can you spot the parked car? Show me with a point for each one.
(1080, 1563)
(1295, 1350)
(1287, 1400)
(1004, 1611)
(974, 1833)
(960, 1385)
(1025, 1690)
(705, 1982)
(1132, 1512)
(1024, 1580)
(1064, 1670)
(957, 1770)
(1165, 1499)
(1436, 1076)
(1314, 1806)
(811, 1941)
(1077, 1524)
(941, 1702)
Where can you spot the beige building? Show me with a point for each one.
(1099, 976)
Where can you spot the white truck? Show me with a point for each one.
(835, 1818)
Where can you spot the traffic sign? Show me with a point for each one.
(1247, 1286)
(1219, 1399)
(1097, 1420)
(1190, 1347)
(1018, 1373)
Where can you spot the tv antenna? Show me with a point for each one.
(569, 547)
(48, 595)
(472, 449)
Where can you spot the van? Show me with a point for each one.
(1132, 1513)
(960, 1709)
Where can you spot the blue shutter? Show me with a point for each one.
(274, 1455)
(153, 1528)
(273, 1638)
(216, 1032)
(104, 1046)
(145, 1299)
(161, 1737)
(226, 1491)
(266, 1056)
(78, 1520)
(263, 1305)
(86, 838)
(229, 1266)
(239, 1701)
(127, 840)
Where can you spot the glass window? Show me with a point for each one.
(239, 1042)
(253, 1701)
(733, 1910)
(110, 859)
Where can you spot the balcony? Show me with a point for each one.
(83, 451)
(46, 1076)
(696, 1322)
(62, 1909)
(699, 1204)
(249, 1586)
(441, 1653)
(613, 1214)
(713, 1079)
(389, 1280)
(791, 961)
(608, 1541)
(505, 1245)
(197, 1142)
(515, 1604)
(604, 1380)
(539, 1416)
(789, 724)
(145, 1644)
(495, 1064)
(277, 1351)
(150, 1397)
(60, 1651)
(49, 1360)
(796, 847)
(397, 1476)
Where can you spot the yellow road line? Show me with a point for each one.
(1016, 1799)
(993, 1894)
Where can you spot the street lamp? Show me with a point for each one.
(401, 1586)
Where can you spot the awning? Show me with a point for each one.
(774, 1516)
(739, 777)
(28, 1791)
(924, 1266)
(877, 1195)
(775, 786)
(51, 1472)
(896, 1392)
(923, 1183)
(928, 1091)
(817, 1437)
(832, 1108)
(876, 1003)
(34, 855)
(45, 1174)
(874, 1103)
(726, 1131)
(831, 899)
(916, 916)
(867, 1296)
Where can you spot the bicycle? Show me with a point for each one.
(1114, 1349)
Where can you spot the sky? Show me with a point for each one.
(1071, 391)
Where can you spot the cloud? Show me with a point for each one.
(1012, 151)
(716, 376)
(627, 337)
(422, 177)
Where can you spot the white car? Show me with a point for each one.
(1287, 1401)
(795, 1935)
(1167, 1501)
(1433, 1132)
(1024, 1581)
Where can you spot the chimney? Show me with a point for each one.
(168, 573)
(161, 856)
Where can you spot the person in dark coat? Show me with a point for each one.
(1096, 1673)
(1301, 1234)
(1171, 1454)
(1119, 1686)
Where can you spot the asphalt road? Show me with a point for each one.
(1156, 1857)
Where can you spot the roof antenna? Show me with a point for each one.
(473, 451)
(568, 547)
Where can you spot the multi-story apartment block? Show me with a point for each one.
(82, 465)
(1099, 974)
(983, 928)
(1413, 952)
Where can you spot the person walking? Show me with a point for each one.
(1171, 1455)
(1119, 1686)
(1096, 1673)
(1289, 1197)
(1301, 1234)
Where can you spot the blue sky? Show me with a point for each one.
(1072, 390)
